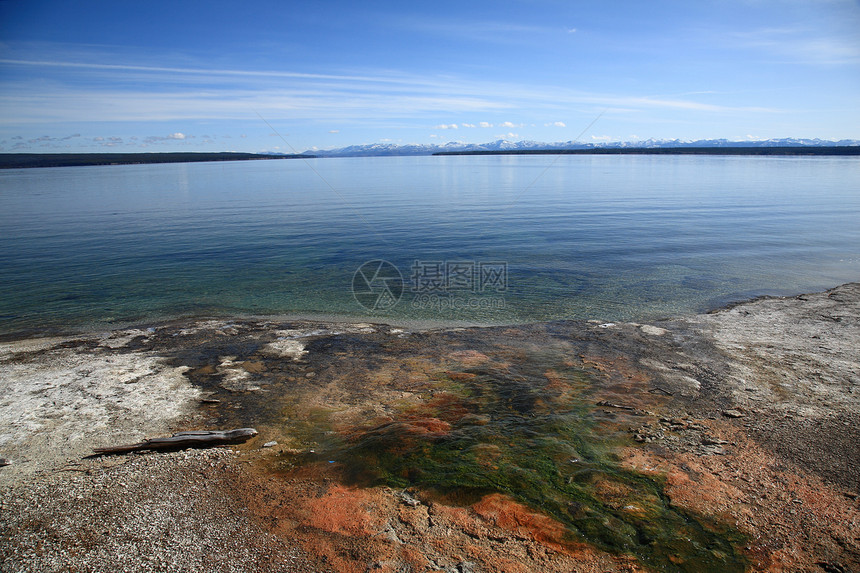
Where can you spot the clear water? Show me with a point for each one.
(606, 237)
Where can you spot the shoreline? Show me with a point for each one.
(765, 151)
(418, 325)
(749, 414)
(45, 160)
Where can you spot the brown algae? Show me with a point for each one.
(529, 437)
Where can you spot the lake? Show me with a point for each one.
(480, 239)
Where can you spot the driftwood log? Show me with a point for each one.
(182, 440)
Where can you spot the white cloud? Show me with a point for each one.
(444, 126)
(601, 138)
(172, 137)
(571, 30)
(555, 124)
(334, 131)
(109, 141)
(50, 139)
(506, 124)
(468, 125)
(485, 124)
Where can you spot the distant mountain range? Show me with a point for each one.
(385, 149)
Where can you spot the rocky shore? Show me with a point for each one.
(584, 446)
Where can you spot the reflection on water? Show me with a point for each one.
(613, 238)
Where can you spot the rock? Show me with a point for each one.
(391, 536)
(408, 499)
(4, 462)
(711, 450)
(270, 444)
(733, 414)
(831, 567)
(653, 330)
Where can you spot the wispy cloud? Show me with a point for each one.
(802, 45)
(20, 143)
(121, 92)
(197, 71)
(50, 139)
(112, 141)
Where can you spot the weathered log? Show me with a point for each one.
(182, 440)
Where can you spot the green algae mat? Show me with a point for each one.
(527, 429)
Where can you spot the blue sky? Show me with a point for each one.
(198, 76)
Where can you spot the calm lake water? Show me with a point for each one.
(481, 239)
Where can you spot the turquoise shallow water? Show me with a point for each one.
(480, 239)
